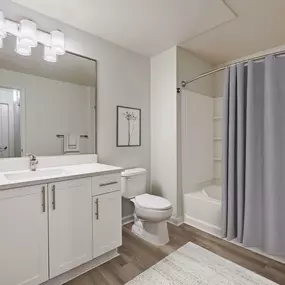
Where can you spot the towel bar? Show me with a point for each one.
(82, 136)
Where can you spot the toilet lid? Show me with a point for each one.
(152, 202)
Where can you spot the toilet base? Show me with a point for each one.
(152, 232)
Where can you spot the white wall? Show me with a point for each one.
(123, 79)
(197, 140)
(52, 107)
(163, 126)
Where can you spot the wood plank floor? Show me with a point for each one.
(137, 255)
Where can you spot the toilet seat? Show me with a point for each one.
(152, 202)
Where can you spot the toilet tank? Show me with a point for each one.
(133, 182)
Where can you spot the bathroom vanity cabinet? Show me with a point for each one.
(49, 229)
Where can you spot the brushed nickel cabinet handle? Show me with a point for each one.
(97, 209)
(53, 197)
(44, 198)
(109, 183)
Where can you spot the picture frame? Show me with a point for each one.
(128, 127)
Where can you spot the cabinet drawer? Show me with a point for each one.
(106, 183)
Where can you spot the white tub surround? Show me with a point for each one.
(57, 219)
(203, 209)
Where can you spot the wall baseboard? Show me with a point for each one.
(177, 221)
(211, 229)
(127, 219)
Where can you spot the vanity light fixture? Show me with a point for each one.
(50, 54)
(28, 37)
(23, 49)
(57, 42)
(28, 33)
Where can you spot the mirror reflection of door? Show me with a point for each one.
(10, 130)
(4, 129)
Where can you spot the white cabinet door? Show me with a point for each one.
(23, 236)
(70, 224)
(107, 222)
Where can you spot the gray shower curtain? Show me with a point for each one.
(253, 177)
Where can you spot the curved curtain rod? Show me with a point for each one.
(185, 83)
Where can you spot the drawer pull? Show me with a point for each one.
(109, 183)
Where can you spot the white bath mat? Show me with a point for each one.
(194, 265)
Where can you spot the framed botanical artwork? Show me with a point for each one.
(128, 127)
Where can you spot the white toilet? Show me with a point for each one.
(151, 212)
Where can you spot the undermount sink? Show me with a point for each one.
(31, 175)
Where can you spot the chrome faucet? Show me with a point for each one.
(33, 162)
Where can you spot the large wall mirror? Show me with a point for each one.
(44, 105)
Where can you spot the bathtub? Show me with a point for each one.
(203, 209)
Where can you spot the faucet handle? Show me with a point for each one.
(32, 156)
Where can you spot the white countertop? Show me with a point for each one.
(70, 172)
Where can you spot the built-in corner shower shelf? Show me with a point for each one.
(217, 159)
(217, 139)
(218, 118)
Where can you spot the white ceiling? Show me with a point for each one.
(69, 68)
(259, 26)
(143, 26)
(215, 30)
